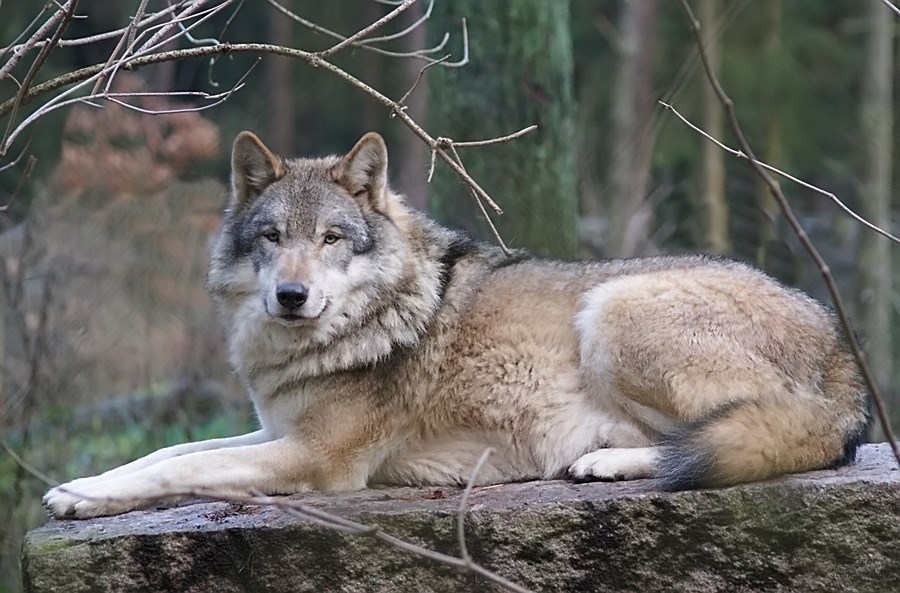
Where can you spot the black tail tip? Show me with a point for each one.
(685, 464)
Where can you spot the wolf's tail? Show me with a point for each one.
(778, 433)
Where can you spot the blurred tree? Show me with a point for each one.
(282, 112)
(877, 118)
(413, 154)
(633, 135)
(771, 148)
(520, 74)
(712, 187)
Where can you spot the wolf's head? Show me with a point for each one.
(319, 248)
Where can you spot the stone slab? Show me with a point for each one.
(830, 530)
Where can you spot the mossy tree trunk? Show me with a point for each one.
(714, 203)
(773, 85)
(520, 73)
(875, 270)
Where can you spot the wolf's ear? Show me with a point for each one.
(253, 168)
(363, 171)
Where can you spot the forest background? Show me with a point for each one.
(108, 345)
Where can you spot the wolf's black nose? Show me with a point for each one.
(291, 295)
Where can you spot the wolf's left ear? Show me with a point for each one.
(253, 168)
(363, 171)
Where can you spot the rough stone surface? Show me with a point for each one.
(832, 530)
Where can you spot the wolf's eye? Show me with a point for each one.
(331, 238)
(271, 235)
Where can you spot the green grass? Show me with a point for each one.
(63, 456)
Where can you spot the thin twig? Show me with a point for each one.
(57, 102)
(87, 40)
(216, 99)
(366, 30)
(29, 169)
(406, 95)
(24, 464)
(20, 51)
(507, 138)
(212, 60)
(484, 213)
(787, 176)
(891, 6)
(465, 57)
(126, 41)
(135, 23)
(789, 215)
(183, 31)
(464, 507)
(13, 44)
(405, 31)
(67, 11)
(421, 54)
(15, 161)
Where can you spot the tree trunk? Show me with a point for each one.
(520, 74)
(771, 153)
(413, 159)
(875, 255)
(282, 114)
(712, 187)
(632, 132)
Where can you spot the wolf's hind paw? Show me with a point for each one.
(615, 464)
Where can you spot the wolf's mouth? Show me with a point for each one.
(294, 319)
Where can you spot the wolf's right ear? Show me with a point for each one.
(253, 168)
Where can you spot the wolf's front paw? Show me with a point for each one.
(84, 498)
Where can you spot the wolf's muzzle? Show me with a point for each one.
(291, 295)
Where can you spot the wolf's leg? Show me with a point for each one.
(617, 464)
(281, 466)
(252, 438)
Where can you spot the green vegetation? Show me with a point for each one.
(62, 453)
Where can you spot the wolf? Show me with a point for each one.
(379, 347)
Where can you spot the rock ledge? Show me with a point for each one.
(832, 530)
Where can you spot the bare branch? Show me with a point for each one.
(126, 41)
(463, 507)
(25, 465)
(217, 99)
(421, 54)
(198, 11)
(366, 30)
(891, 6)
(26, 174)
(465, 59)
(192, 8)
(513, 136)
(135, 22)
(405, 31)
(16, 161)
(13, 45)
(487, 218)
(67, 11)
(79, 41)
(123, 62)
(787, 176)
(795, 225)
(20, 51)
(406, 95)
